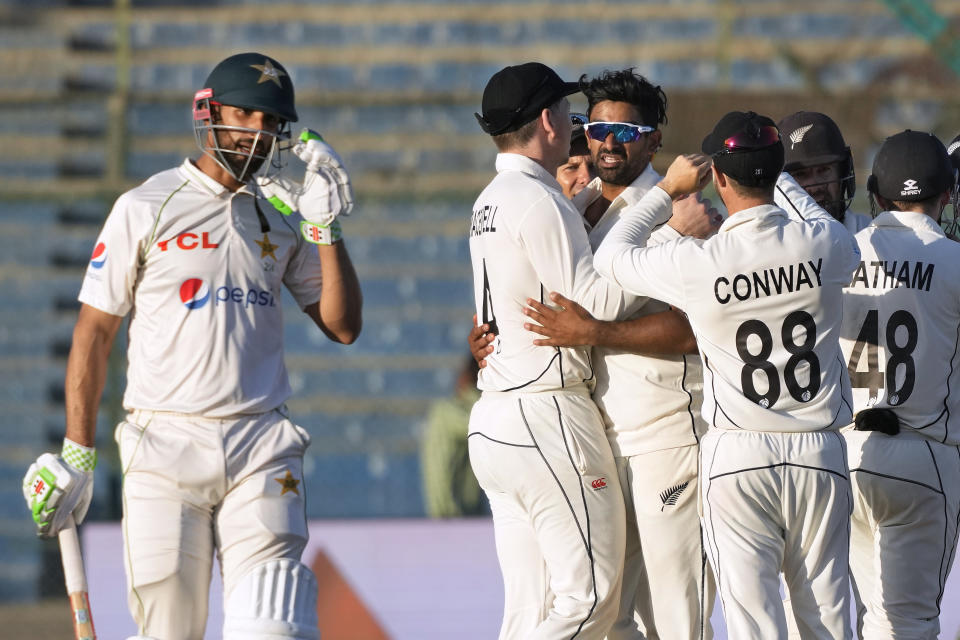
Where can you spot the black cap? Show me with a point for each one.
(754, 167)
(252, 81)
(954, 150)
(578, 142)
(516, 95)
(911, 166)
(810, 139)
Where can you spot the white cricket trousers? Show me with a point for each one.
(193, 485)
(668, 587)
(906, 496)
(547, 469)
(777, 502)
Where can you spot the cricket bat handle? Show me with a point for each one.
(76, 580)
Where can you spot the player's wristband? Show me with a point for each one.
(78, 456)
(321, 234)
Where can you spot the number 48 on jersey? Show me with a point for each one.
(900, 370)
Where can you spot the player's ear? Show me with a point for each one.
(656, 141)
(719, 178)
(547, 122)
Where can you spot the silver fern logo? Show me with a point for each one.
(797, 135)
(670, 496)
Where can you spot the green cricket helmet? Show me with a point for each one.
(249, 81)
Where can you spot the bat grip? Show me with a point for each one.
(76, 581)
(73, 572)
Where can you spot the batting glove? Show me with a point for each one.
(285, 195)
(57, 486)
(326, 186)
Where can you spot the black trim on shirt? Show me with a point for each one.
(528, 382)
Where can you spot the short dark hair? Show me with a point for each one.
(627, 86)
(764, 191)
(927, 206)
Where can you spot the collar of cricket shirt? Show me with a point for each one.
(518, 162)
(631, 194)
(202, 180)
(759, 212)
(911, 219)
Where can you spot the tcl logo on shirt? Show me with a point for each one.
(189, 241)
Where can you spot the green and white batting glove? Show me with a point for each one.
(326, 185)
(57, 486)
(285, 195)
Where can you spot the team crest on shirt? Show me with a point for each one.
(289, 483)
(267, 248)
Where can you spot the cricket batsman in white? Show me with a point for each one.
(212, 463)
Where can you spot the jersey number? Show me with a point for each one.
(799, 352)
(900, 356)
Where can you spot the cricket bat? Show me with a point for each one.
(76, 580)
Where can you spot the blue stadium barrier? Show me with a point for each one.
(388, 383)
(26, 212)
(363, 484)
(437, 250)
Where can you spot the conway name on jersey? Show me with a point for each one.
(901, 306)
(526, 240)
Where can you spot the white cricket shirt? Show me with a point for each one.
(764, 299)
(901, 324)
(201, 277)
(526, 240)
(648, 403)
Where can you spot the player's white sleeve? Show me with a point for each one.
(112, 272)
(557, 246)
(664, 233)
(643, 270)
(794, 199)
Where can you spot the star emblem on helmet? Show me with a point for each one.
(268, 72)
